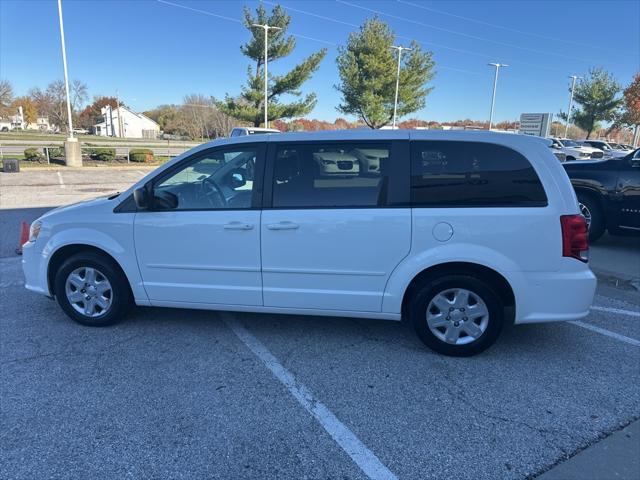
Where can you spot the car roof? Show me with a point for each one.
(368, 134)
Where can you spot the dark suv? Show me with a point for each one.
(609, 194)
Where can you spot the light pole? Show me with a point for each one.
(266, 29)
(495, 85)
(573, 86)
(64, 64)
(73, 155)
(399, 48)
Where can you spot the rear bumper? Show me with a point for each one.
(554, 296)
(34, 267)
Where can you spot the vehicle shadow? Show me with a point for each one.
(322, 334)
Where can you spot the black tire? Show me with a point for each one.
(431, 288)
(120, 295)
(570, 159)
(597, 223)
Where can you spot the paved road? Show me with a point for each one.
(617, 256)
(191, 394)
(177, 394)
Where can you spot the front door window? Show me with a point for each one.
(216, 180)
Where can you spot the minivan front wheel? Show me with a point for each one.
(92, 290)
(457, 315)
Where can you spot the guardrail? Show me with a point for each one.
(121, 151)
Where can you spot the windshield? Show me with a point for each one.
(570, 143)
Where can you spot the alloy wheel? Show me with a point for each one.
(586, 213)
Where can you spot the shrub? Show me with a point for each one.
(56, 152)
(102, 154)
(141, 155)
(33, 154)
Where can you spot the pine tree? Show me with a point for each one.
(249, 105)
(597, 99)
(368, 68)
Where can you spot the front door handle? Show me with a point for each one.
(283, 226)
(238, 226)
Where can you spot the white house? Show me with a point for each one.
(124, 123)
(42, 124)
(17, 122)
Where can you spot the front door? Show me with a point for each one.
(200, 241)
(629, 191)
(330, 238)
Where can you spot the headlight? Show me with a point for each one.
(34, 231)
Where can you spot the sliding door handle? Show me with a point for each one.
(238, 226)
(283, 226)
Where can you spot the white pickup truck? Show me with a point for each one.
(575, 151)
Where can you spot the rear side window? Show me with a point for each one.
(472, 174)
(331, 175)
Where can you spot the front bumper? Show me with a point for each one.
(34, 267)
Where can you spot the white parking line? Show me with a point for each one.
(61, 181)
(602, 331)
(350, 443)
(620, 311)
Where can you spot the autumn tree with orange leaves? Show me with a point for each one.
(631, 107)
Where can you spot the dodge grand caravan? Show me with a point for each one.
(456, 232)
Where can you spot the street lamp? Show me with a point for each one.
(495, 84)
(573, 86)
(64, 63)
(399, 48)
(266, 29)
(73, 154)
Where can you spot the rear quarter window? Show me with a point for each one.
(472, 174)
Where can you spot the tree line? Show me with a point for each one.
(367, 69)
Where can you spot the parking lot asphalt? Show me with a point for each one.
(193, 394)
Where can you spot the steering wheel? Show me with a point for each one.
(211, 189)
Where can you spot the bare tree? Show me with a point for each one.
(6, 96)
(198, 117)
(79, 95)
(52, 102)
(202, 117)
(196, 110)
(221, 123)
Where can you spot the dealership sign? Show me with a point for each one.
(536, 124)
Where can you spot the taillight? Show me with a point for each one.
(575, 237)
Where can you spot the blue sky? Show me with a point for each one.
(155, 53)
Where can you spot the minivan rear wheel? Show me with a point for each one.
(457, 315)
(92, 290)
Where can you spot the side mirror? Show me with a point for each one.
(237, 179)
(635, 161)
(163, 200)
(141, 197)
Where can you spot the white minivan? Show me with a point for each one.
(457, 232)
